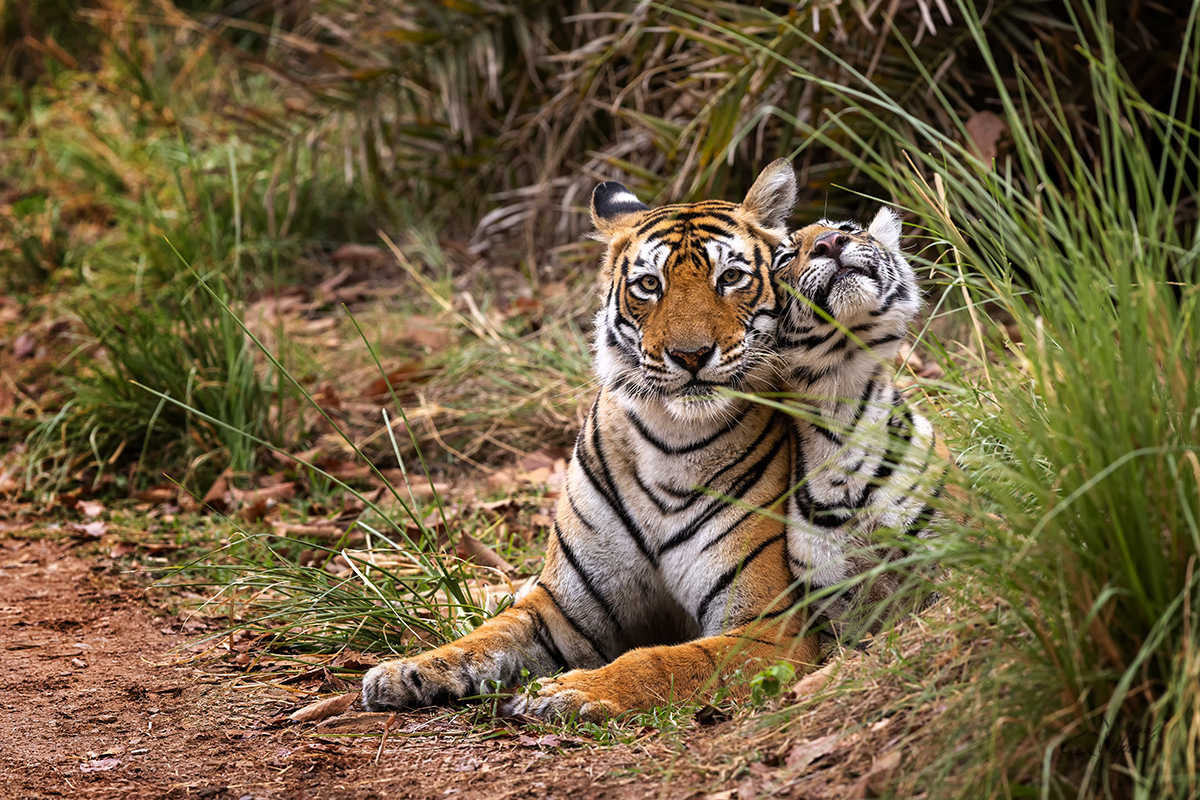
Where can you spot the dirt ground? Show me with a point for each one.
(99, 702)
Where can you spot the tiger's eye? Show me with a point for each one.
(731, 275)
(648, 283)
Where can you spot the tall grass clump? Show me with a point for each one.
(1083, 437)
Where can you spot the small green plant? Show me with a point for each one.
(770, 682)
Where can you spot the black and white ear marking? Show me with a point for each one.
(886, 228)
(611, 200)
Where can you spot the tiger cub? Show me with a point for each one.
(655, 585)
(867, 468)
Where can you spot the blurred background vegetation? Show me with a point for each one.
(196, 197)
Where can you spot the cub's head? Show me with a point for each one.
(858, 277)
(689, 303)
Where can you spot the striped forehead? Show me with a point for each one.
(709, 228)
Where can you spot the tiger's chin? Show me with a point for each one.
(853, 296)
(709, 406)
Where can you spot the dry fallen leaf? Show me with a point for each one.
(813, 682)
(985, 129)
(428, 333)
(93, 529)
(157, 494)
(24, 346)
(805, 753)
(471, 549)
(218, 495)
(875, 782)
(711, 715)
(324, 709)
(408, 374)
(90, 508)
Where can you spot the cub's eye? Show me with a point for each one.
(730, 276)
(648, 283)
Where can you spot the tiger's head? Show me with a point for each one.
(689, 307)
(857, 277)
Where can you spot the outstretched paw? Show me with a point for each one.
(411, 683)
(572, 695)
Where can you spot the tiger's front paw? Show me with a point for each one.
(573, 694)
(411, 683)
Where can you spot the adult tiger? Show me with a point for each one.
(655, 585)
(867, 468)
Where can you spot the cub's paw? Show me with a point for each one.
(411, 683)
(574, 694)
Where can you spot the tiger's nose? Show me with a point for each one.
(830, 244)
(691, 360)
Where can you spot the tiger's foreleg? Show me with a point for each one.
(650, 676)
(533, 635)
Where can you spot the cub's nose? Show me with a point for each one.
(691, 360)
(830, 244)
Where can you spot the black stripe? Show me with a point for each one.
(707, 656)
(743, 484)
(671, 450)
(588, 583)
(822, 427)
(898, 445)
(803, 374)
(888, 339)
(721, 536)
(713, 230)
(546, 640)
(574, 625)
(920, 522)
(812, 341)
(838, 346)
(662, 506)
(868, 390)
(929, 451)
(726, 579)
(607, 490)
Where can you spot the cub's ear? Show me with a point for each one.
(773, 195)
(886, 228)
(610, 202)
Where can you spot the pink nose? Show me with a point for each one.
(691, 360)
(830, 244)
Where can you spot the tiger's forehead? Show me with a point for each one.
(806, 237)
(708, 219)
(713, 228)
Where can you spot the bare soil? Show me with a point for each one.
(101, 701)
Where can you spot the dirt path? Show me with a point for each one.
(97, 704)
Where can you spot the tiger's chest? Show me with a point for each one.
(677, 503)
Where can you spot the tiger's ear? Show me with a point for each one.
(610, 203)
(773, 195)
(886, 228)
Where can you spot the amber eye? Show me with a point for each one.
(648, 283)
(730, 276)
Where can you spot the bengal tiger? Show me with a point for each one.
(654, 583)
(868, 469)
(669, 567)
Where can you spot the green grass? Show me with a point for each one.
(1072, 668)
(1083, 439)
